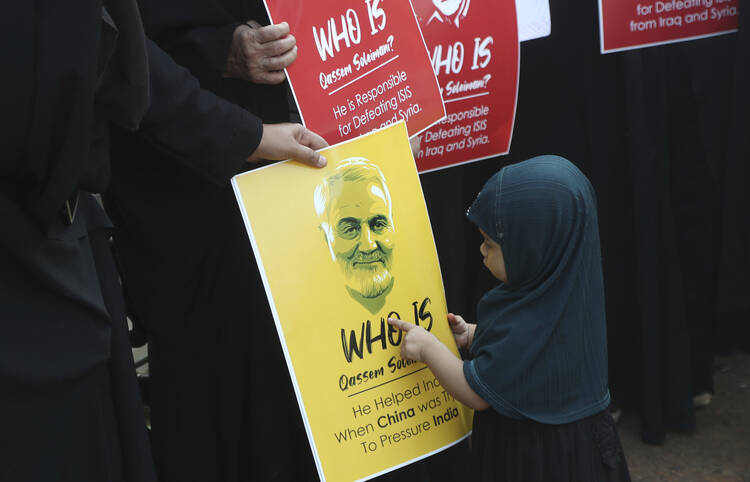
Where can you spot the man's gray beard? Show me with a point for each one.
(370, 283)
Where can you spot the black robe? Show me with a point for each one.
(733, 290)
(223, 407)
(69, 403)
(222, 404)
(650, 129)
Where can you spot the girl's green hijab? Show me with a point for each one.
(540, 347)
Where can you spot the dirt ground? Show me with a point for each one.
(718, 451)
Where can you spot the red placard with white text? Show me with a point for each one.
(474, 52)
(361, 65)
(633, 24)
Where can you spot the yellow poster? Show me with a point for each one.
(340, 250)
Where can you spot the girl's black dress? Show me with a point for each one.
(506, 449)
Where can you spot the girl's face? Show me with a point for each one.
(493, 257)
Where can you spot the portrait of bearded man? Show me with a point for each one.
(356, 219)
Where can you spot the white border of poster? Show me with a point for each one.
(534, 19)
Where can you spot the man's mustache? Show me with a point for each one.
(371, 257)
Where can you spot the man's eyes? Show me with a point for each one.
(379, 224)
(348, 229)
(351, 228)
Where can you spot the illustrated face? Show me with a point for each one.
(493, 257)
(362, 236)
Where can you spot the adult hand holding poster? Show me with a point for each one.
(360, 65)
(341, 249)
(475, 54)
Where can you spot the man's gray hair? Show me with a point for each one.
(352, 169)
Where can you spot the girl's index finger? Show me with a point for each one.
(401, 325)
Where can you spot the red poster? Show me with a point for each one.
(632, 24)
(361, 65)
(475, 54)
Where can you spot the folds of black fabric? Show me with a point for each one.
(587, 450)
(69, 404)
(192, 280)
(662, 134)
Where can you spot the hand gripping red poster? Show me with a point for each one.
(632, 24)
(361, 65)
(474, 51)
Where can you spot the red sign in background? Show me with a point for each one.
(361, 65)
(474, 51)
(631, 24)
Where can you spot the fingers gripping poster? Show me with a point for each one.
(474, 51)
(341, 249)
(360, 65)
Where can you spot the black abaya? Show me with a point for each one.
(223, 404)
(69, 404)
(69, 427)
(733, 290)
(509, 450)
(646, 126)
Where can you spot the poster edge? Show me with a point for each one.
(388, 126)
(277, 323)
(434, 76)
(274, 312)
(518, 84)
(601, 27)
(286, 72)
(668, 42)
(417, 459)
(284, 161)
(476, 159)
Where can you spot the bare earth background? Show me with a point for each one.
(718, 451)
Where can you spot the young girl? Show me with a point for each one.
(537, 376)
